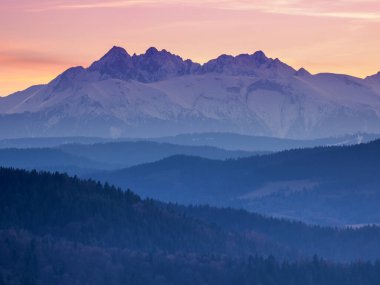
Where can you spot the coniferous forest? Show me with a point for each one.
(189, 142)
(56, 229)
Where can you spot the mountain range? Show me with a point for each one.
(160, 94)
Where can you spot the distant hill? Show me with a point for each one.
(260, 143)
(48, 142)
(81, 158)
(122, 154)
(49, 160)
(328, 185)
(227, 141)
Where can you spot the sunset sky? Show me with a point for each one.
(41, 38)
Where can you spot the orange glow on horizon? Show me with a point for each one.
(39, 39)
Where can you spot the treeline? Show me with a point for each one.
(30, 260)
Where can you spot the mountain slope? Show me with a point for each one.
(329, 185)
(159, 94)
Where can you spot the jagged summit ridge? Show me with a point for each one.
(158, 93)
(155, 65)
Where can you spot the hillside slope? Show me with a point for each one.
(328, 185)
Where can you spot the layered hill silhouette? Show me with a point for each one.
(81, 158)
(325, 185)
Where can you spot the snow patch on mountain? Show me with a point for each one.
(159, 93)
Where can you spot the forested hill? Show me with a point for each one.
(55, 229)
(339, 244)
(325, 185)
(101, 215)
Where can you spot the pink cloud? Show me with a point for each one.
(350, 9)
